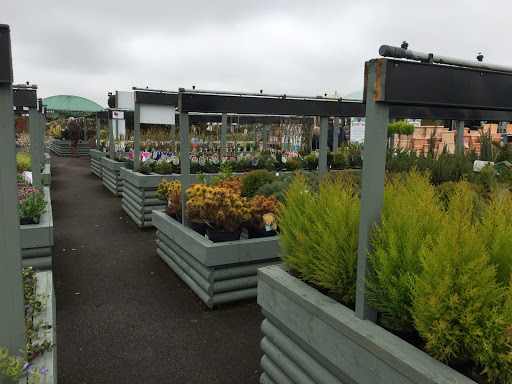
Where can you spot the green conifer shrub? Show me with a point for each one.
(411, 214)
(253, 180)
(456, 291)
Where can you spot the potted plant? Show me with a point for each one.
(253, 180)
(32, 204)
(311, 161)
(196, 193)
(224, 211)
(262, 220)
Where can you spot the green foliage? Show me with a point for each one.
(128, 164)
(276, 188)
(319, 234)
(311, 161)
(504, 152)
(32, 203)
(293, 164)
(396, 244)
(487, 152)
(340, 161)
(496, 232)
(23, 162)
(432, 143)
(163, 167)
(143, 168)
(487, 178)
(401, 127)
(454, 295)
(12, 368)
(253, 180)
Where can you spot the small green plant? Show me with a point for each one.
(128, 163)
(253, 180)
(143, 168)
(23, 162)
(165, 188)
(311, 161)
(293, 164)
(163, 167)
(12, 368)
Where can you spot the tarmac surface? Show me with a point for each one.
(123, 316)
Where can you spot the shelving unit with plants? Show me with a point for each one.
(430, 266)
(61, 147)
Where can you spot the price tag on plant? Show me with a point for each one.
(194, 159)
(202, 161)
(255, 161)
(240, 158)
(283, 159)
(215, 160)
(270, 222)
(317, 152)
(176, 160)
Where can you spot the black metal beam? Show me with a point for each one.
(414, 83)
(440, 113)
(6, 76)
(195, 102)
(102, 115)
(25, 98)
(244, 119)
(156, 98)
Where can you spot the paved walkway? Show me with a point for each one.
(123, 316)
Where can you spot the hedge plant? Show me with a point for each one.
(253, 180)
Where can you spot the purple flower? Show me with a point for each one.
(43, 370)
(25, 366)
(16, 358)
(27, 306)
(22, 197)
(31, 279)
(31, 369)
(22, 185)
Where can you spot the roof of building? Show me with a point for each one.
(71, 105)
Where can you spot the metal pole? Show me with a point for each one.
(12, 316)
(136, 135)
(322, 160)
(335, 128)
(35, 142)
(459, 140)
(111, 137)
(265, 136)
(224, 134)
(173, 138)
(185, 162)
(98, 132)
(372, 189)
(392, 138)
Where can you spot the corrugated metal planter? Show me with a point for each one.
(310, 338)
(96, 157)
(61, 147)
(46, 175)
(217, 273)
(37, 239)
(111, 175)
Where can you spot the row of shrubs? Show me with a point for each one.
(441, 261)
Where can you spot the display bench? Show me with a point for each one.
(308, 337)
(111, 175)
(61, 147)
(37, 239)
(96, 157)
(217, 273)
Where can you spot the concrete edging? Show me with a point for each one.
(310, 337)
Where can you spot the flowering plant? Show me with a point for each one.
(32, 202)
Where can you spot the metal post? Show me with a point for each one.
(111, 137)
(335, 128)
(35, 142)
(116, 122)
(98, 133)
(322, 160)
(255, 133)
(136, 135)
(372, 189)
(42, 132)
(392, 137)
(265, 136)
(185, 162)
(224, 134)
(173, 138)
(459, 140)
(12, 316)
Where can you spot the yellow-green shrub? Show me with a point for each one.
(23, 161)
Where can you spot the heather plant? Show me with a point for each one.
(457, 289)
(319, 234)
(410, 216)
(253, 180)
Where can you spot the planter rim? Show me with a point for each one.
(392, 350)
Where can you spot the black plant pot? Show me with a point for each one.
(255, 233)
(312, 167)
(220, 236)
(27, 221)
(198, 227)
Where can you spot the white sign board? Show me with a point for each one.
(121, 129)
(157, 114)
(125, 100)
(415, 122)
(357, 125)
(118, 115)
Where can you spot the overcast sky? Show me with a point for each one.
(305, 47)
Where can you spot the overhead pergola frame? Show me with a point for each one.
(416, 88)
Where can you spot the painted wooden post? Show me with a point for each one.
(35, 142)
(185, 161)
(335, 129)
(392, 137)
(322, 160)
(136, 135)
(42, 128)
(311, 127)
(265, 136)
(372, 189)
(224, 134)
(459, 140)
(173, 138)
(98, 130)
(12, 316)
(111, 137)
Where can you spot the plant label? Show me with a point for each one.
(176, 160)
(255, 161)
(194, 160)
(202, 161)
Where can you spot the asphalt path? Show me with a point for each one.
(123, 316)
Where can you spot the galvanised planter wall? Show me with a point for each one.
(46, 174)
(47, 159)
(37, 239)
(47, 315)
(217, 273)
(111, 175)
(308, 337)
(139, 195)
(61, 147)
(96, 157)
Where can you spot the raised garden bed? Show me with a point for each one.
(47, 315)
(217, 273)
(47, 159)
(61, 147)
(37, 239)
(96, 157)
(46, 174)
(111, 175)
(311, 338)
